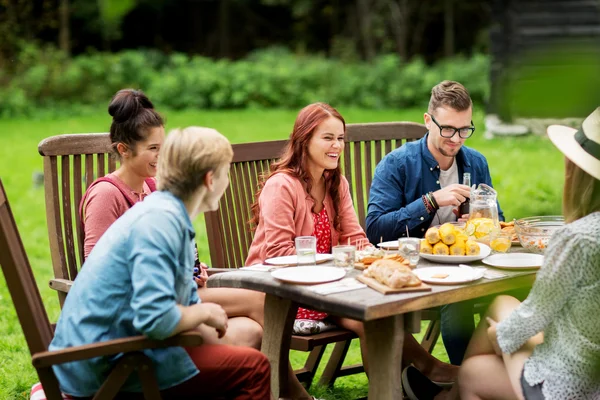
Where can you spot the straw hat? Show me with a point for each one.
(582, 146)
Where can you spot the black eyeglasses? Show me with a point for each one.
(449, 131)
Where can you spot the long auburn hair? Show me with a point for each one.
(294, 160)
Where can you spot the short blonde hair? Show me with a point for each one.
(187, 156)
(449, 94)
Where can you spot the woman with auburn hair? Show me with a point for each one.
(548, 346)
(137, 280)
(305, 194)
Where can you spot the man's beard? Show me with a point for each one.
(447, 154)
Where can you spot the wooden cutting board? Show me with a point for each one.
(381, 288)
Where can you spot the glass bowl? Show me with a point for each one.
(534, 233)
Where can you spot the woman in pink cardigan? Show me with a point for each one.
(305, 194)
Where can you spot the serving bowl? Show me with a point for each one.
(534, 233)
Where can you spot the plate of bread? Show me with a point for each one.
(450, 244)
(390, 275)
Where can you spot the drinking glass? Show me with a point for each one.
(306, 250)
(500, 241)
(409, 248)
(344, 256)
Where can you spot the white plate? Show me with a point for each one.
(293, 259)
(455, 276)
(392, 244)
(515, 260)
(483, 253)
(309, 275)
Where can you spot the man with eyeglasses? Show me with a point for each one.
(419, 185)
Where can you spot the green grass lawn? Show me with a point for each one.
(527, 172)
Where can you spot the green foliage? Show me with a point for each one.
(46, 79)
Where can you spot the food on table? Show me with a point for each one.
(479, 228)
(509, 227)
(452, 241)
(396, 257)
(535, 244)
(440, 276)
(432, 235)
(369, 254)
(447, 233)
(392, 273)
(472, 248)
(441, 249)
(458, 248)
(426, 247)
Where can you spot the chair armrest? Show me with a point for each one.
(213, 271)
(61, 285)
(112, 347)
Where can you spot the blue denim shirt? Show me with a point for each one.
(402, 177)
(130, 284)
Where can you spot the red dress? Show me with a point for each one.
(323, 234)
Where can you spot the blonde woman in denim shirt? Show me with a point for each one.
(138, 280)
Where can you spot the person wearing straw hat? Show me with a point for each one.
(547, 347)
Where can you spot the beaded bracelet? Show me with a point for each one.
(432, 200)
(428, 205)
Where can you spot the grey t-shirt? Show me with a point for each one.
(448, 177)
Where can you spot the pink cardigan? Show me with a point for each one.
(285, 213)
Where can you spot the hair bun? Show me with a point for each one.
(128, 103)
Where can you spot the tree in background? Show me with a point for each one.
(357, 29)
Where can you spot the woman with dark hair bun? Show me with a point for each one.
(137, 132)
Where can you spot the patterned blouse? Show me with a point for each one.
(564, 303)
(322, 232)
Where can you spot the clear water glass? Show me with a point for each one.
(409, 248)
(306, 250)
(344, 256)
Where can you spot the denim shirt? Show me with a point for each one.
(402, 177)
(130, 284)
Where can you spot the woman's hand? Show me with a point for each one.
(492, 336)
(203, 277)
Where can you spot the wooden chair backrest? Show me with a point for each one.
(21, 282)
(229, 235)
(228, 231)
(366, 145)
(71, 163)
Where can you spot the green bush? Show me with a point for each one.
(45, 79)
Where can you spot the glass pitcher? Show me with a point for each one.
(483, 213)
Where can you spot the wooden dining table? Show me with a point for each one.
(385, 317)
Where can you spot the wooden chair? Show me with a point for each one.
(71, 163)
(229, 239)
(229, 236)
(38, 331)
(366, 145)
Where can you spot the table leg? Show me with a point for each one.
(279, 322)
(385, 338)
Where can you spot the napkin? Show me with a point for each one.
(258, 267)
(342, 285)
(489, 274)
